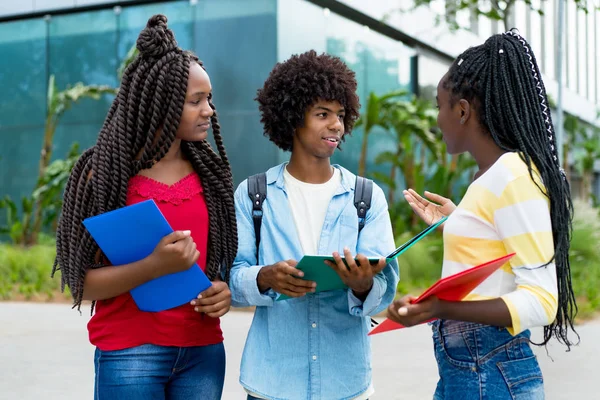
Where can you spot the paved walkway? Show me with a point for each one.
(45, 354)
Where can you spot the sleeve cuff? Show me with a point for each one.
(366, 308)
(250, 295)
(516, 328)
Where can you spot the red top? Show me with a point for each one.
(118, 323)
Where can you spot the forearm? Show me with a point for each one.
(108, 282)
(489, 312)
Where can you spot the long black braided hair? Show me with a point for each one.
(150, 100)
(502, 80)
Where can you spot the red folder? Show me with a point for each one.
(452, 288)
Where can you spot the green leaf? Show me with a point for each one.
(27, 204)
(384, 179)
(129, 58)
(386, 157)
(51, 95)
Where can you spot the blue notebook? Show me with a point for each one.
(130, 234)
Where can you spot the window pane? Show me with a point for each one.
(23, 74)
(83, 48)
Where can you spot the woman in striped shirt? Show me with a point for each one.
(493, 104)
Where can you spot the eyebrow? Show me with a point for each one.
(327, 109)
(200, 93)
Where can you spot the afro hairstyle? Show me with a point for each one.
(296, 84)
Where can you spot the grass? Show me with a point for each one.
(25, 273)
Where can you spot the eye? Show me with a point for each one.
(341, 116)
(322, 115)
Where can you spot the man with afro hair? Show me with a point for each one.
(314, 345)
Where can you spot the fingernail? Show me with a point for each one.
(193, 303)
(199, 296)
(403, 311)
(346, 249)
(197, 309)
(336, 254)
(300, 274)
(187, 232)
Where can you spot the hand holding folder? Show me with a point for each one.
(130, 234)
(316, 270)
(452, 288)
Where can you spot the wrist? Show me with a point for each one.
(361, 292)
(151, 267)
(441, 310)
(261, 282)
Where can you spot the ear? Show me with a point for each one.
(464, 107)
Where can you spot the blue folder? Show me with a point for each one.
(130, 234)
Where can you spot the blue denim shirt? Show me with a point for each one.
(315, 346)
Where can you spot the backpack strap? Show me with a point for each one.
(257, 191)
(363, 189)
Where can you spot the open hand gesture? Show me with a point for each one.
(428, 211)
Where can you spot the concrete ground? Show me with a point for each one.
(45, 354)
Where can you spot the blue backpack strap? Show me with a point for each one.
(257, 191)
(363, 190)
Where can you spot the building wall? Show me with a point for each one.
(240, 41)
(582, 45)
(10, 7)
(236, 39)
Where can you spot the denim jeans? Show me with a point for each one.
(150, 372)
(482, 362)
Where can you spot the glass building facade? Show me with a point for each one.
(239, 42)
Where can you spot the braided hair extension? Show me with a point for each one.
(503, 82)
(138, 131)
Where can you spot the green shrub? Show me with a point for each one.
(25, 272)
(585, 257)
(421, 265)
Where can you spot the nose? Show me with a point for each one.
(337, 125)
(207, 110)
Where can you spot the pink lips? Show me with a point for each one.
(332, 141)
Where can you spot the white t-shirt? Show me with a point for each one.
(309, 203)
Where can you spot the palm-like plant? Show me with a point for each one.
(585, 162)
(374, 115)
(58, 102)
(413, 125)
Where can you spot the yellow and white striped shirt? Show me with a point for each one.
(503, 212)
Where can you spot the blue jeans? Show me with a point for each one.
(150, 372)
(482, 362)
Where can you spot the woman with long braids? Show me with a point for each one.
(153, 146)
(493, 104)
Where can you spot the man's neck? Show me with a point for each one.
(310, 171)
